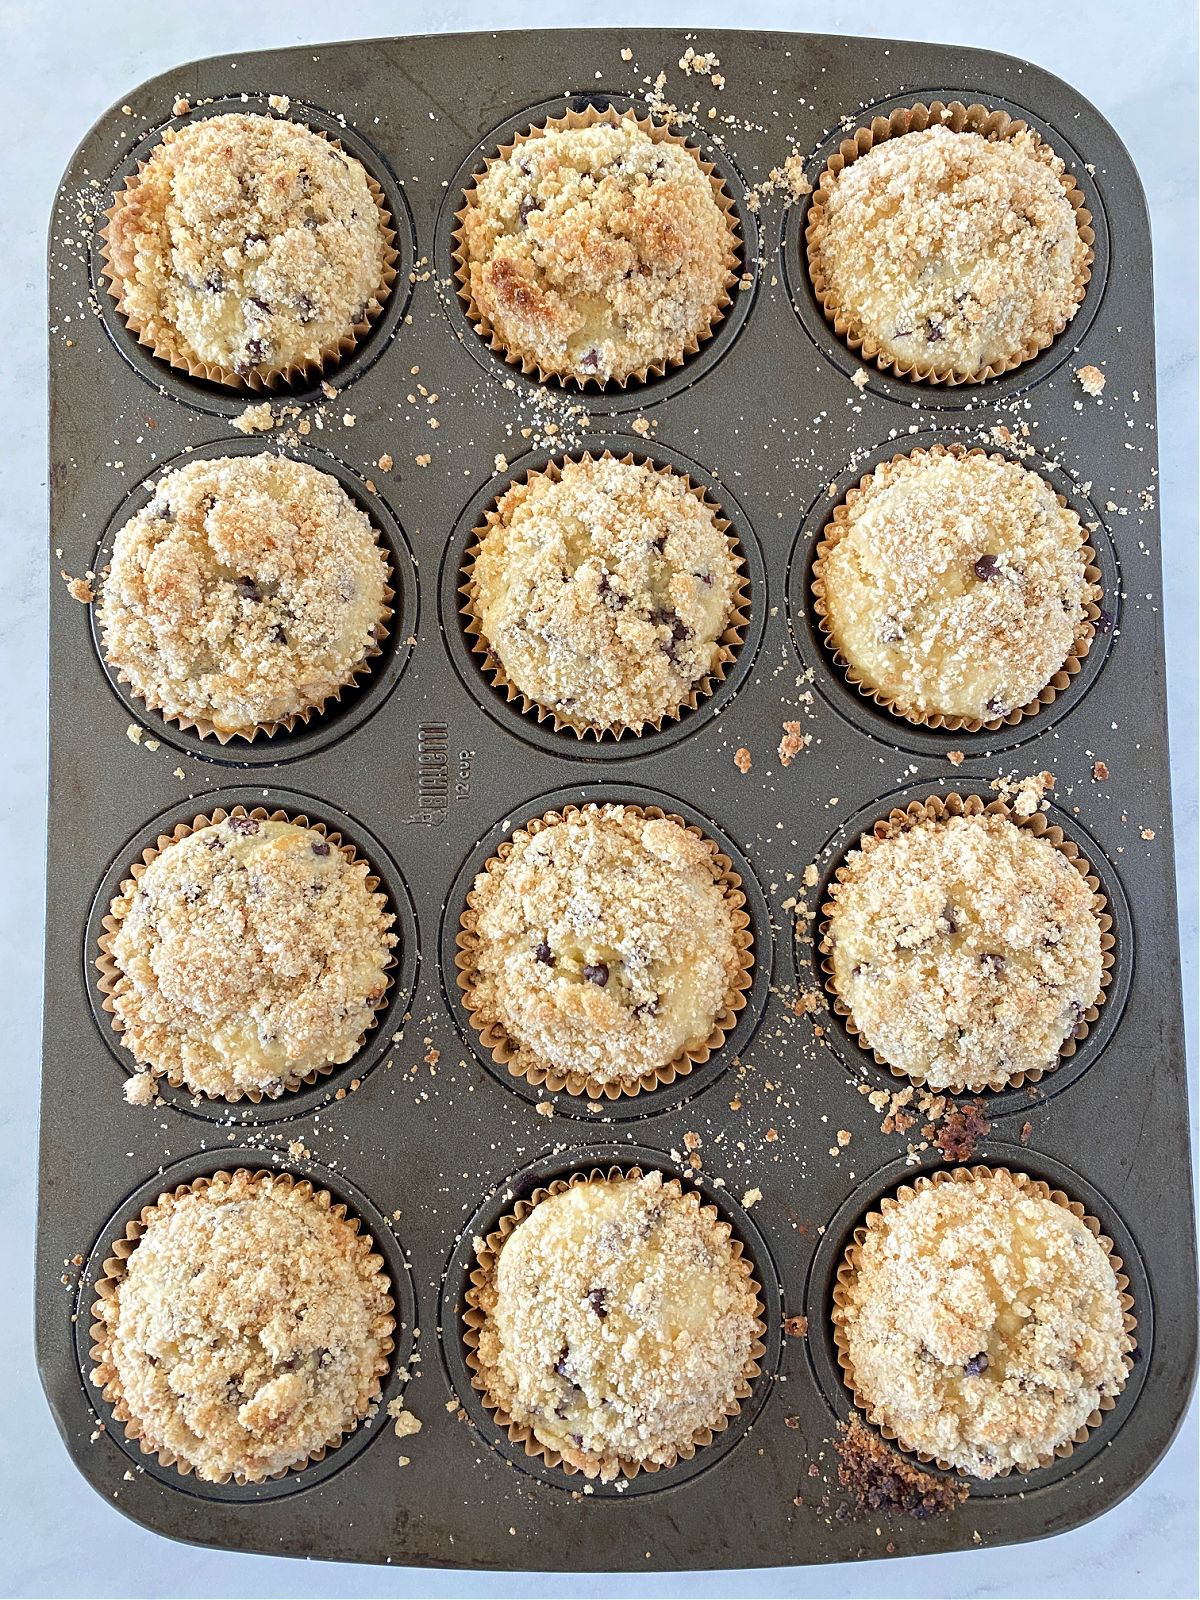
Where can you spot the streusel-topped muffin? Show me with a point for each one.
(605, 590)
(605, 944)
(250, 953)
(248, 245)
(955, 584)
(596, 252)
(249, 1329)
(619, 1323)
(951, 251)
(982, 1323)
(966, 948)
(249, 590)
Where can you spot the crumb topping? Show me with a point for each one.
(619, 1323)
(249, 1329)
(597, 252)
(956, 586)
(249, 243)
(953, 251)
(983, 1325)
(250, 953)
(606, 945)
(966, 948)
(249, 590)
(605, 595)
(881, 1480)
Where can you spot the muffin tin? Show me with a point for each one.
(424, 1136)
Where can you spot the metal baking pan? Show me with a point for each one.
(430, 1147)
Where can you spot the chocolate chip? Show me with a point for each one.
(320, 847)
(976, 1365)
(660, 544)
(247, 825)
(544, 954)
(251, 356)
(528, 204)
(597, 974)
(214, 843)
(590, 361)
(214, 282)
(259, 305)
(597, 1300)
(902, 333)
(247, 589)
(252, 239)
(648, 1008)
(992, 962)
(277, 635)
(890, 631)
(612, 598)
(324, 1358)
(311, 223)
(705, 577)
(308, 312)
(987, 568)
(950, 917)
(996, 707)
(856, 971)
(933, 330)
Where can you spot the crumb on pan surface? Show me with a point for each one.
(879, 1479)
(605, 944)
(248, 590)
(606, 594)
(966, 949)
(953, 251)
(983, 1324)
(250, 244)
(250, 952)
(955, 585)
(619, 1323)
(249, 1329)
(597, 252)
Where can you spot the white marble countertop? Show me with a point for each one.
(62, 65)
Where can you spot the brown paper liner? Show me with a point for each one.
(934, 809)
(730, 642)
(522, 1063)
(528, 364)
(487, 1253)
(915, 119)
(834, 530)
(852, 1259)
(105, 1375)
(113, 981)
(299, 374)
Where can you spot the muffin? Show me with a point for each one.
(248, 249)
(246, 593)
(949, 253)
(605, 946)
(247, 1330)
(954, 586)
(596, 252)
(618, 1322)
(606, 593)
(967, 949)
(980, 1321)
(247, 955)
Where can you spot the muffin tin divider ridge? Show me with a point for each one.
(425, 761)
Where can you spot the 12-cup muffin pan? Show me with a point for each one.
(424, 766)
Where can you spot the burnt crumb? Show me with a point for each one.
(880, 1480)
(962, 1131)
(1026, 1132)
(795, 1327)
(1104, 622)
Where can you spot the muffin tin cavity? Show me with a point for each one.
(892, 728)
(838, 1233)
(941, 396)
(320, 1088)
(540, 731)
(395, 1267)
(612, 399)
(216, 398)
(358, 700)
(456, 1279)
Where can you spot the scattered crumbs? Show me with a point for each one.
(280, 103)
(791, 1422)
(860, 379)
(384, 463)
(406, 1423)
(627, 54)
(255, 419)
(881, 1480)
(741, 759)
(962, 1131)
(402, 1461)
(1026, 794)
(544, 1108)
(843, 1137)
(134, 733)
(751, 1196)
(140, 1090)
(955, 757)
(79, 589)
(810, 875)
(451, 1405)
(178, 773)
(1147, 833)
(641, 426)
(793, 741)
(181, 107)
(152, 744)
(796, 1327)
(423, 461)
(501, 461)
(1026, 1132)
(432, 1056)
(1091, 380)
(328, 390)
(1099, 771)
(297, 1149)
(793, 176)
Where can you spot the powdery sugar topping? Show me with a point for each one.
(605, 596)
(619, 1323)
(984, 1324)
(953, 251)
(966, 949)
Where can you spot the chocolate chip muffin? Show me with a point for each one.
(248, 954)
(247, 592)
(619, 1324)
(248, 1330)
(949, 252)
(596, 252)
(966, 948)
(954, 585)
(603, 943)
(606, 592)
(981, 1322)
(248, 247)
